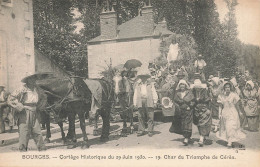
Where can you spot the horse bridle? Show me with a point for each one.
(61, 99)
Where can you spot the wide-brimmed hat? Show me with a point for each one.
(36, 76)
(2, 86)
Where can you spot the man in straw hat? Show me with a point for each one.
(28, 102)
(145, 99)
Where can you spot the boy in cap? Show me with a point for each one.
(28, 102)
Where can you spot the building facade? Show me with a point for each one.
(138, 38)
(16, 42)
(18, 58)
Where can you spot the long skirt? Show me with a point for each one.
(202, 118)
(230, 126)
(252, 114)
(182, 122)
(214, 107)
(253, 123)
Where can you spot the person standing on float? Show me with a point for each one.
(200, 65)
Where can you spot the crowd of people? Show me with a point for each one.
(225, 106)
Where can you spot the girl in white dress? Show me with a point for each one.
(229, 119)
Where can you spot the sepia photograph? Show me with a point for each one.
(129, 83)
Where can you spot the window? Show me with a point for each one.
(8, 3)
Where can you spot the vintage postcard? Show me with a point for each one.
(129, 83)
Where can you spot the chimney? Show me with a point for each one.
(147, 14)
(163, 23)
(108, 24)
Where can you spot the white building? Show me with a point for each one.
(138, 38)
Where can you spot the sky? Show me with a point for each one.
(248, 19)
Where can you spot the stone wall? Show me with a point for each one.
(99, 55)
(16, 42)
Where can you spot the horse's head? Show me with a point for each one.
(56, 90)
(117, 81)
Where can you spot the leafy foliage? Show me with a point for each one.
(187, 52)
(195, 24)
(54, 35)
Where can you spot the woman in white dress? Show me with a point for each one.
(228, 113)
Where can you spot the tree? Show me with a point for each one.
(54, 34)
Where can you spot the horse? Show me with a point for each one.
(102, 100)
(123, 89)
(59, 115)
(71, 96)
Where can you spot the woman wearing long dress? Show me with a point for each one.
(242, 114)
(182, 123)
(214, 91)
(228, 113)
(250, 101)
(202, 115)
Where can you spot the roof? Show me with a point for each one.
(38, 52)
(134, 29)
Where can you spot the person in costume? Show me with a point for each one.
(250, 101)
(202, 115)
(228, 113)
(182, 123)
(215, 89)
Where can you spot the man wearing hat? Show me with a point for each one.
(200, 64)
(145, 99)
(28, 102)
